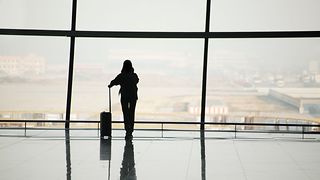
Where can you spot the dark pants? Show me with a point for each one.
(128, 109)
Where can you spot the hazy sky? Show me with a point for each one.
(164, 15)
(237, 15)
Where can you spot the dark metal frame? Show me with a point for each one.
(71, 63)
(205, 66)
(235, 126)
(206, 35)
(160, 34)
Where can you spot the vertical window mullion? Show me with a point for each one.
(71, 63)
(205, 68)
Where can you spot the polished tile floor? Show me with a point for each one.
(151, 155)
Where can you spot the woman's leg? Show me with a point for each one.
(132, 108)
(126, 114)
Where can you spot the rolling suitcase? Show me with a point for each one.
(106, 121)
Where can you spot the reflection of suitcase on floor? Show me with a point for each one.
(105, 149)
(106, 121)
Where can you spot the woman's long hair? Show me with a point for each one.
(127, 67)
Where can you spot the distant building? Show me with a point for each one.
(213, 107)
(313, 67)
(20, 65)
(306, 100)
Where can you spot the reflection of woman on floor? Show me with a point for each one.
(128, 171)
(128, 81)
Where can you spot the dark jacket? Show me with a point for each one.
(128, 85)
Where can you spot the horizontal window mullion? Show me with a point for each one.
(135, 34)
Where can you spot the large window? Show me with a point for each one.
(169, 72)
(33, 77)
(35, 14)
(141, 15)
(263, 80)
(265, 15)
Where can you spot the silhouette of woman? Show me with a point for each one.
(128, 81)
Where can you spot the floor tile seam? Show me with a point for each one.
(189, 159)
(23, 138)
(35, 156)
(48, 149)
(293, 159)
(240, 161)
(13, 143)
(137, 160)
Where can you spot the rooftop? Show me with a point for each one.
(300, 93)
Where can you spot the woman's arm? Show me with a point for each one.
(116, 81)
(136, 78)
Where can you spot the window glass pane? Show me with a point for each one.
(35, 14)
(264, 80)
(169, 73)
(141, 15)
(33, 77)
(259, 15)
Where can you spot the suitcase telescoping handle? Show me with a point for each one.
(110, 99)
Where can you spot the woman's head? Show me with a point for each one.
(127, 67)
